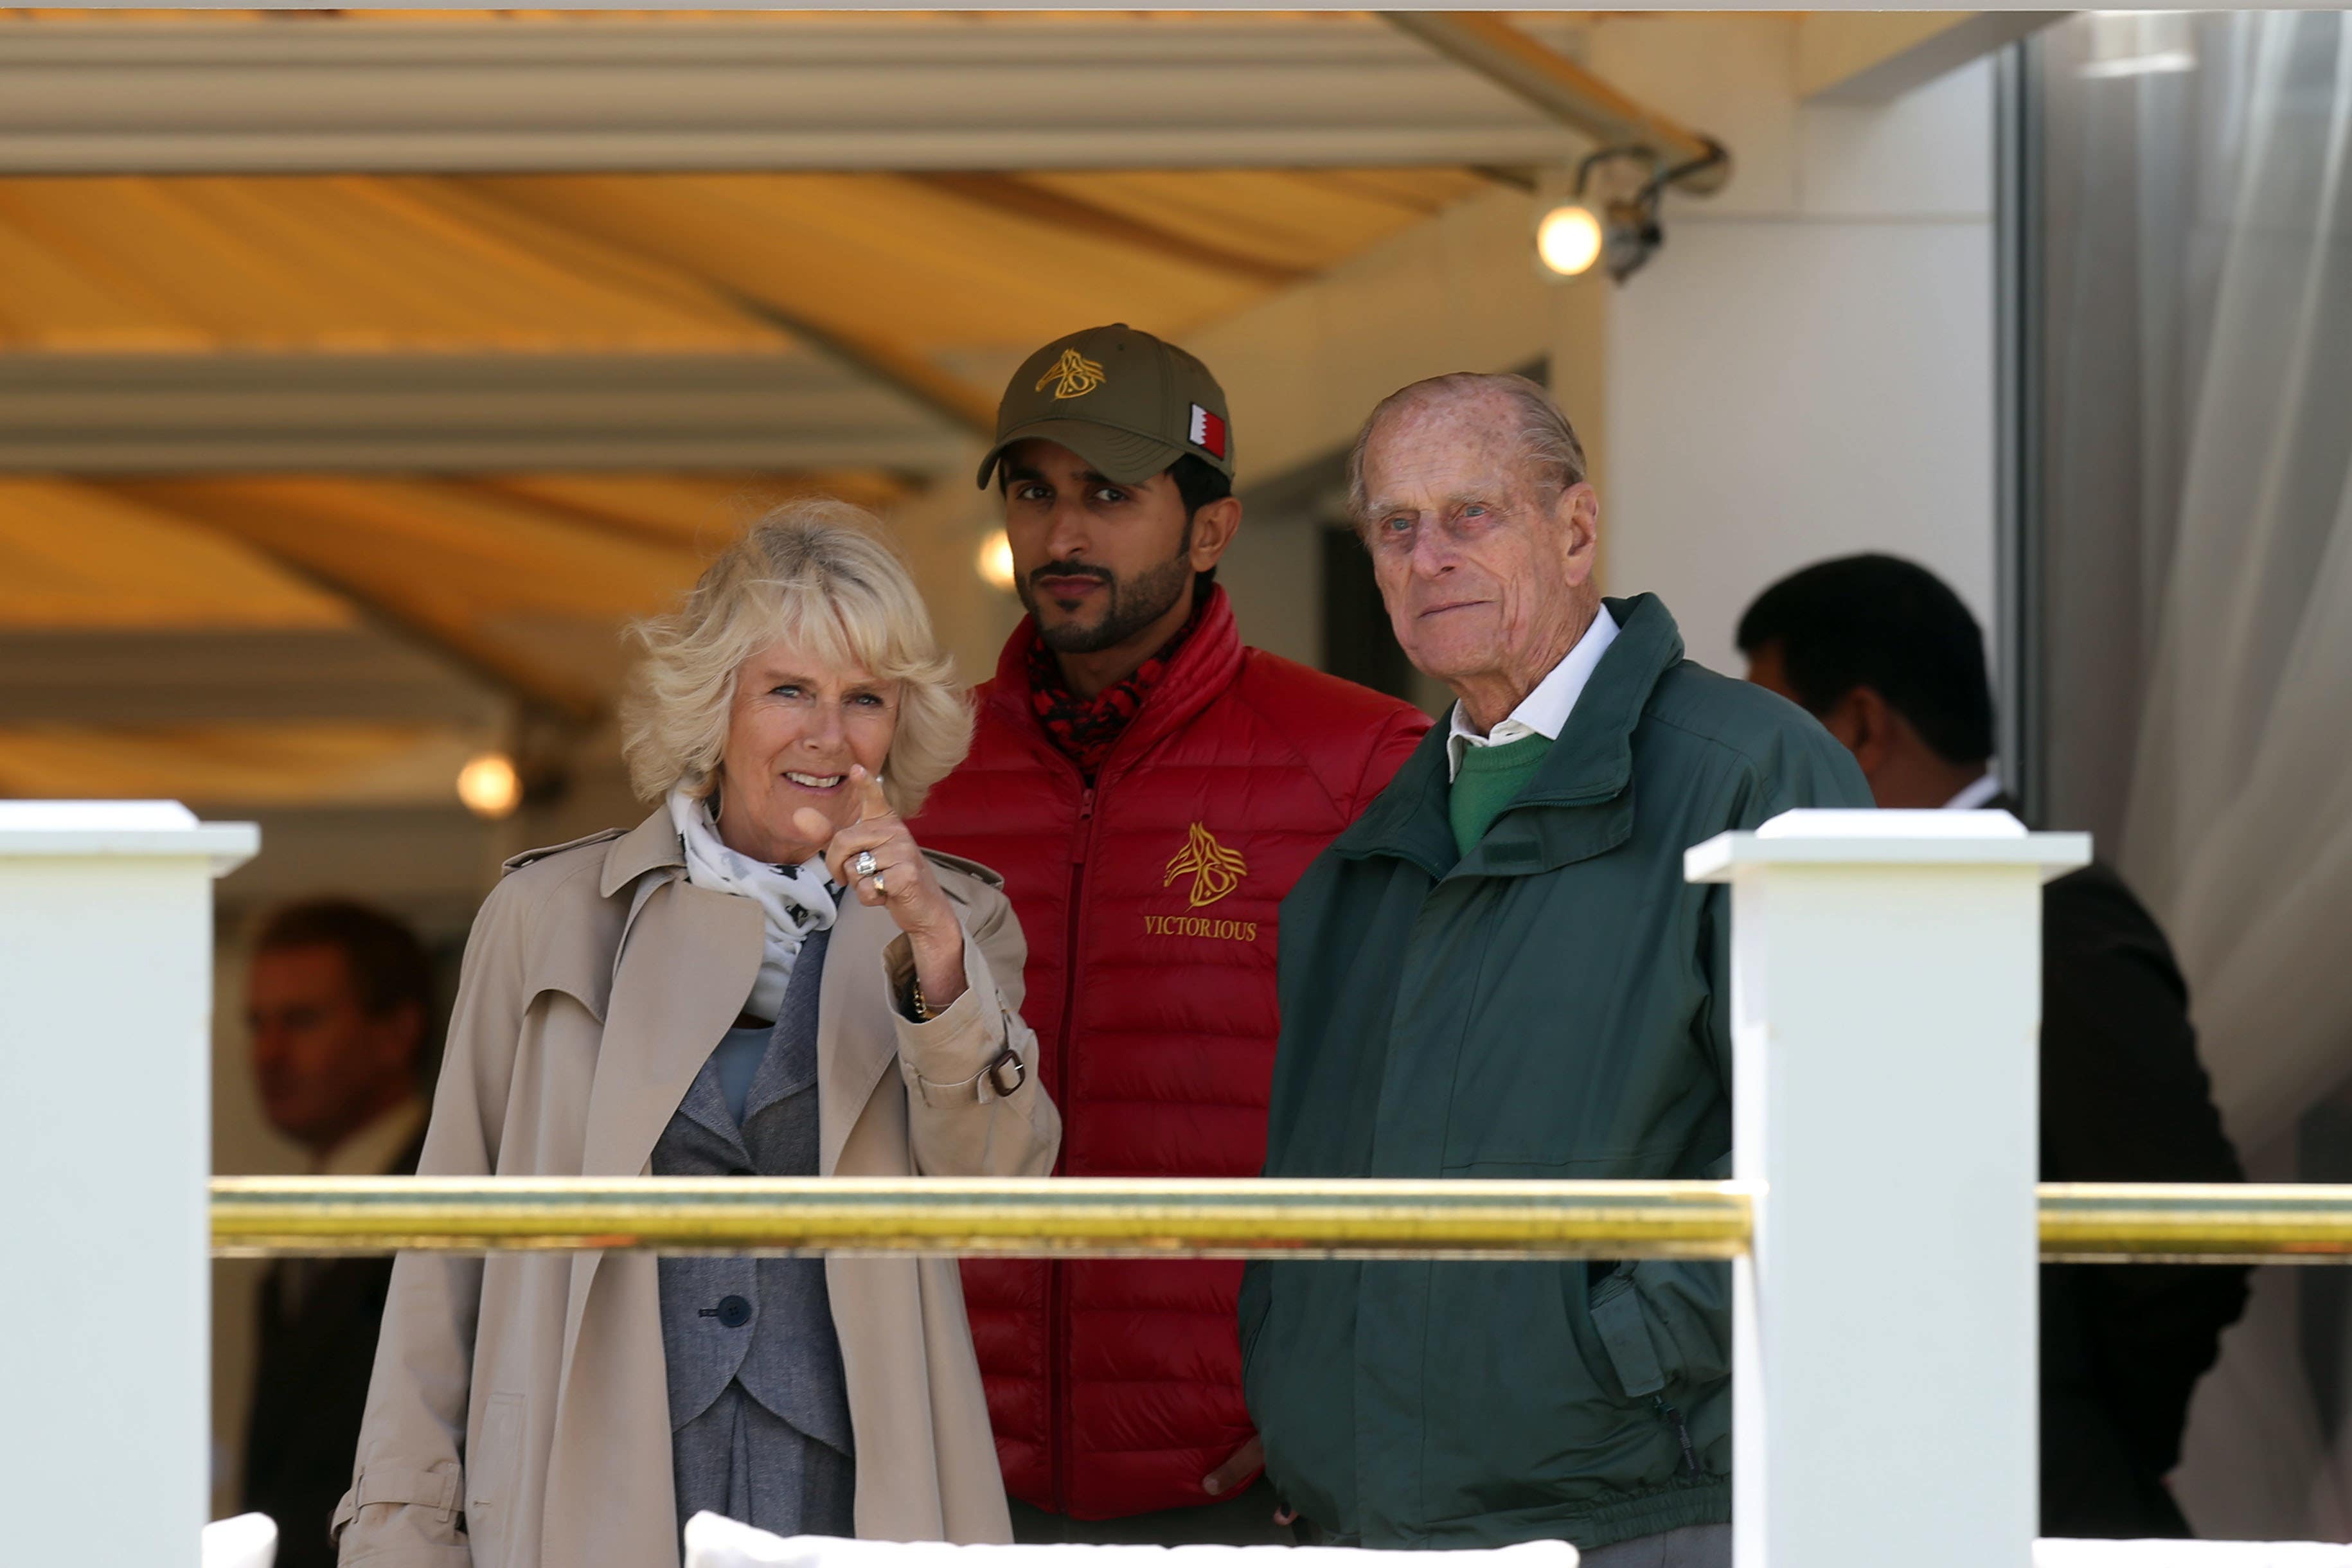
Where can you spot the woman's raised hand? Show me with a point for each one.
(897, 878)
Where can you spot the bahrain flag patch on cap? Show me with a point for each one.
(1208, 432)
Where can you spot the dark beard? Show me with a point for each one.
(1134, 604)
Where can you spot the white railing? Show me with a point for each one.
(1882, 1218)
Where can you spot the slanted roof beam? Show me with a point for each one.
(417, 620)
(1029, 199)
(869, 353)
(1525, 65)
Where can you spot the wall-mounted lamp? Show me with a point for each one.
(1615, 218)
(994, 563)
(491, 786)
(1569, 239)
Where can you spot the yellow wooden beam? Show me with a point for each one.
(1521, 64)
(872, 353)
(442, 562)
(1058, 209)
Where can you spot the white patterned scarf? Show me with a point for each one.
(794, 900)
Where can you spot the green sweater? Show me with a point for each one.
(1490, 779)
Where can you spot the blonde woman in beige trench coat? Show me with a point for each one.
(519, 1415)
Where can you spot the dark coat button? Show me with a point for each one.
(734, 1311)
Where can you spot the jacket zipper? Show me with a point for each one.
(1058, 1303)
(1668, 1414)
(1057, 1306)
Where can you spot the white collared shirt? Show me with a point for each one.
(374, 1149)
(1977, 794)
(1544, 712)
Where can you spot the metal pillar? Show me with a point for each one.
(106, 940)
(1885, 998)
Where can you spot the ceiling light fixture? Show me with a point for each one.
(1613, 219)
(994, 563)
(1569, 239)
(491, 786)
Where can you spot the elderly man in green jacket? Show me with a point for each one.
(1499, 972)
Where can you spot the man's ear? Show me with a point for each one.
(1578, 511)
(1864, 724)
(1213, 527)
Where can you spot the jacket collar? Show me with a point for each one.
(1589, 765)
(1594, 758)
(1206, 664)
(650, 846)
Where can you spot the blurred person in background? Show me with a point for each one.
(1150, 787)
(1499, 971)
(767, 977)
(1890, 660)
(339, 1004)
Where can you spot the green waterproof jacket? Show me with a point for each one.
(1556, 1005)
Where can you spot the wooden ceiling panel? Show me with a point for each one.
(509, 589)
(244, 764)
(75, 557)
(699, 512)
(525, 581)
(1288, 219)
(445, 544)
(319, 264)
(864, 252)
(855, 309)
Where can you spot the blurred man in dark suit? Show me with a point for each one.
(339, 1004)
(1887, 657)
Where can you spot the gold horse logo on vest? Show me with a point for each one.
(1215, 869)
(1073, 375)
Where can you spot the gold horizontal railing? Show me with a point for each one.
(257, 1216)
(1060, 1217)
(2108, 1222)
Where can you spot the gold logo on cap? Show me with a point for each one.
(1073, 375)
(1217, 870)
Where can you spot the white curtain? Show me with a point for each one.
(2238, 827)
(2209, 487)
(2200, 311)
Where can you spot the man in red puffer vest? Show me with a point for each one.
(1150, 789)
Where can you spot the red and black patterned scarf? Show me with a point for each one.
(1085, 730)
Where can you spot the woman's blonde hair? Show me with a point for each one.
(815, 574)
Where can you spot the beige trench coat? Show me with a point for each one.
(519, 1413)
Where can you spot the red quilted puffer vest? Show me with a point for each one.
(1149, 904)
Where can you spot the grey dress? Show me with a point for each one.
(759, 1409)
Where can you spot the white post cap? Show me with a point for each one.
(1887, 838)
(132, 829)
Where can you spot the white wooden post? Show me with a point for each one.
(1885, 993)
(106, 942)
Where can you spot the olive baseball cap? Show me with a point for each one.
(1126, 402)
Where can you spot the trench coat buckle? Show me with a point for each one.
(995, 1070)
